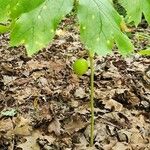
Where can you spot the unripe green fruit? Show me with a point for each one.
(80, 66)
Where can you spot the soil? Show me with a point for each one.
(45, 106)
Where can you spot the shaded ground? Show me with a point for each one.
(45, 106)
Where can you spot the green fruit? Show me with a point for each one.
(80, 66)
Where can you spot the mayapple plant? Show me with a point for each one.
(33, 23)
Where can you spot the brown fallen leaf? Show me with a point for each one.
(22, 127)
(80, 93)
(55, 127)
(75, 125)
(112, 104)
(38, 65)
(6, 128)
(8, 79)
(25, 93)
(121, 146)
(6, 125)
(30, 143)
(136, 137)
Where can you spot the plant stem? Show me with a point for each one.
(92, 100)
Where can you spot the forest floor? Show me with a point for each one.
(45, 106)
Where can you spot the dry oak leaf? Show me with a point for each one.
(22, 127)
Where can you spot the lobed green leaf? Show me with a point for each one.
(36, 28)
(99, 24)
(135, 9)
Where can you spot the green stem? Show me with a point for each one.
(92, 100)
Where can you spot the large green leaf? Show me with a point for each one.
(11, 9)
(100, 24)
(23, 6)
(36, 28)
(135, 8)
(4, 7)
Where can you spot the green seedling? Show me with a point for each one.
(100, 28)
